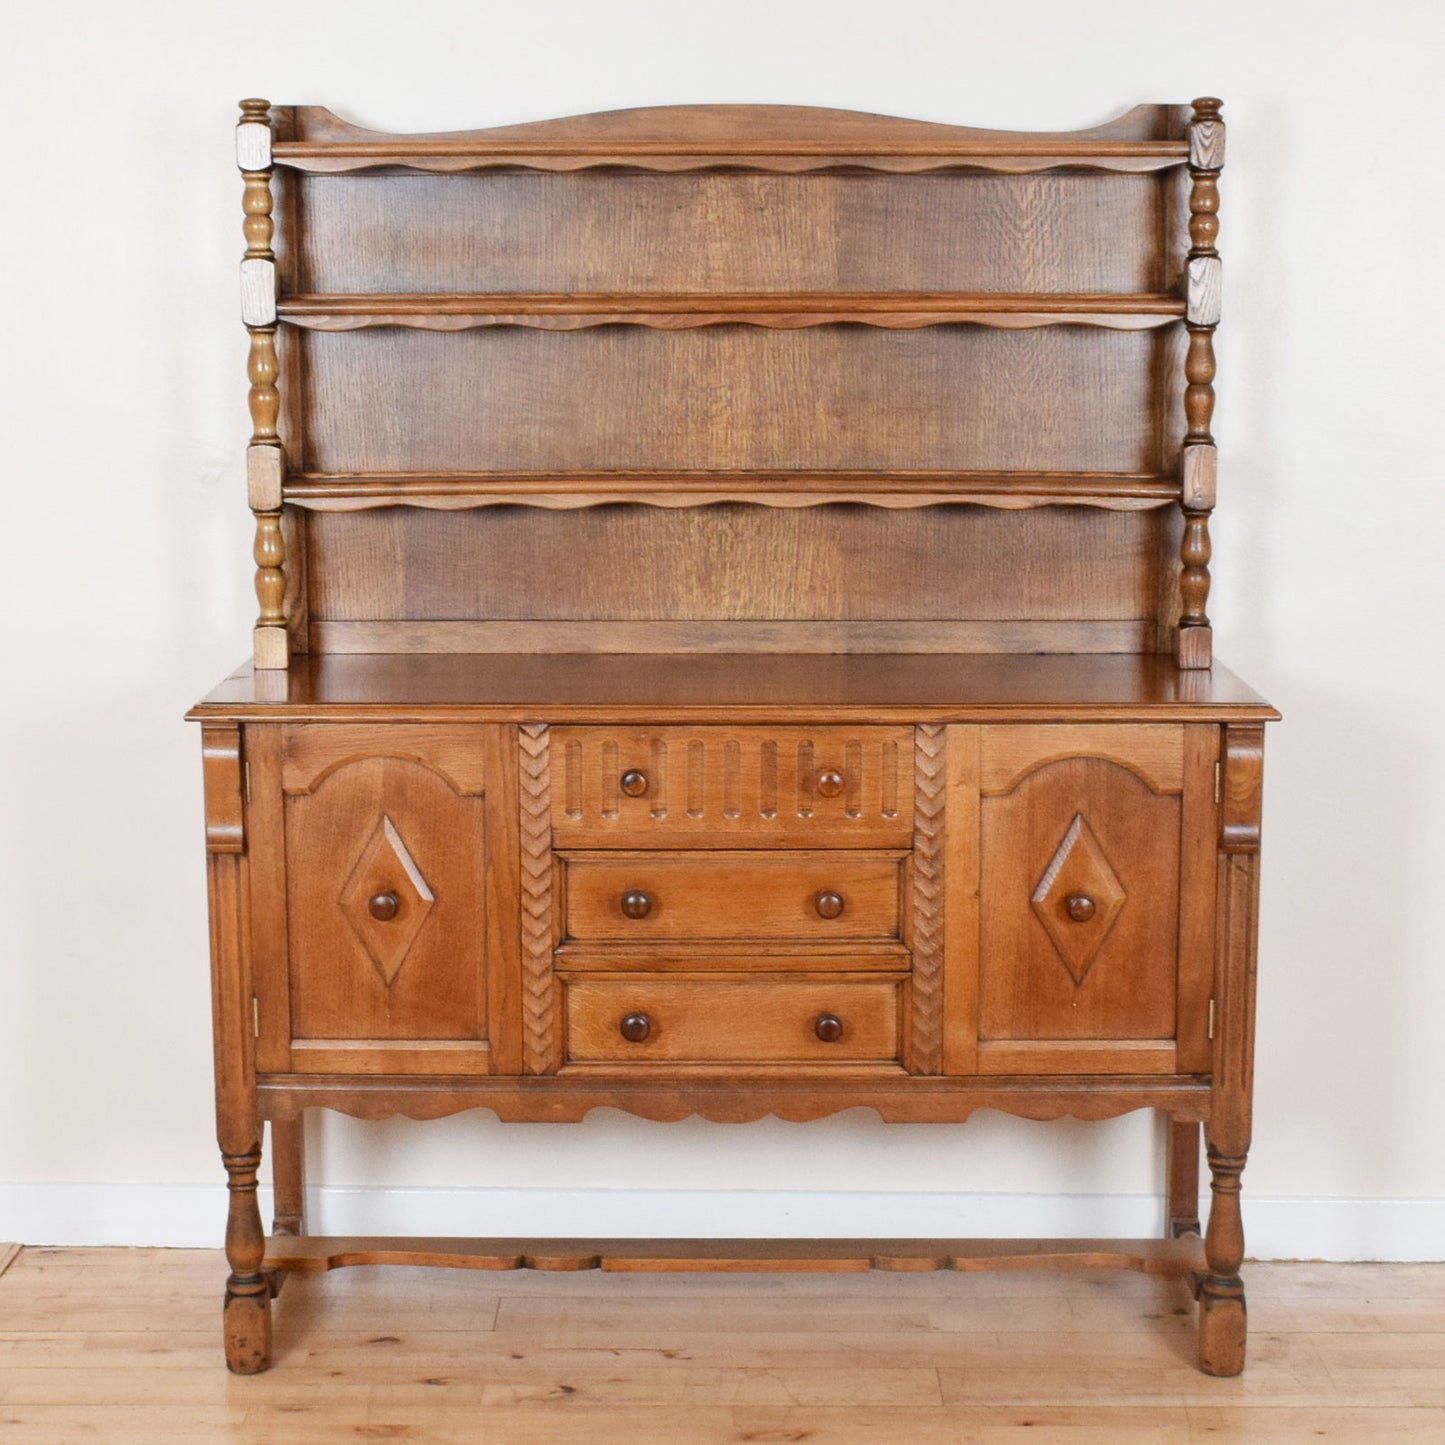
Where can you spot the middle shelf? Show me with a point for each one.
(569, 311)
(456, 491)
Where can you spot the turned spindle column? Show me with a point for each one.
(265, 463)
(1198, 461)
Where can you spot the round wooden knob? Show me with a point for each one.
(830, 783)
(635, 1028)
(828, 904)
(829, 1028)
(1080, 907)
(634, 782)
(384, 907)
(636, 904)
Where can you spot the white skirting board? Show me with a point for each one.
(193, 1215)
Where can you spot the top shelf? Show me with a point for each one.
(709, 137)
(1143, 156)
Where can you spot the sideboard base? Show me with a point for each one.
(1221, 1321)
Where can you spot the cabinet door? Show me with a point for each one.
(1089, 948)
(386, 878)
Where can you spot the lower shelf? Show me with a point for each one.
(740, 1256)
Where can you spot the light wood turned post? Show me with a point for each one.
(1182, 1172)
(265, 462)
(1222, 1315)
(1198, 460)
(288, 1171)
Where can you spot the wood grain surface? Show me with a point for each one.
(731, 397)
(719, 787)
(729, 231)
(354, 977)
(747, 566)
(731, 1021)
(734, 464)
(648, 690)
(117, 1345)
(733, 895)
(566, 490)
(779, 310)
(763, 137)
(1121, 982)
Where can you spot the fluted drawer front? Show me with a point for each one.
(810, 896)
(707, 1020)
(718, 787)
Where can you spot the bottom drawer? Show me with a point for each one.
(711, 1020)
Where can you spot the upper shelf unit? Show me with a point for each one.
(787, 139)
(768, 307)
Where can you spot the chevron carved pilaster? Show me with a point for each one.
(928, 826)
(541, 1039)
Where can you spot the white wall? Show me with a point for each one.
(129, 577)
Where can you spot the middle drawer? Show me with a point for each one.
(812, 896)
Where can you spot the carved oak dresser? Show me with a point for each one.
(732, 641)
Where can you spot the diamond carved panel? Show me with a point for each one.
(386, 867)
(1078, 875)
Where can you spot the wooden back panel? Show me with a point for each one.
(675, 280)
(731, 577)
(732, 398)
(731, 231)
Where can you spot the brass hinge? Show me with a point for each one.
(256, 1017)
(246, 781)
(1211, 1018)
(1217, 771)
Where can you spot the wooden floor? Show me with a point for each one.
(123, 1347)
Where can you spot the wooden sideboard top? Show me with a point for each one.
(769, 687)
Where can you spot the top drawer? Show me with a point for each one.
(837, 787)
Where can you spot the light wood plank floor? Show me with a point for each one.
(123, 1347)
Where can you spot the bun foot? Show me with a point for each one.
(1222, 1328)
(246, 1323)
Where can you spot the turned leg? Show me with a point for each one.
(1222, 1314)
(246, 1315)
(288, 1170)
(1222, 1318)
(1182, 1173)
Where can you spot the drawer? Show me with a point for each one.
(720, 787)
(812, 897)
(634, 1020)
